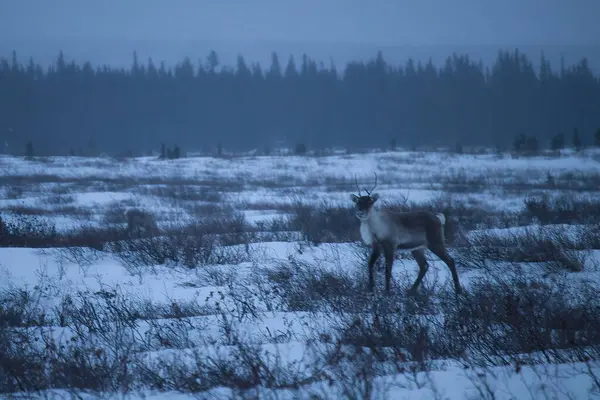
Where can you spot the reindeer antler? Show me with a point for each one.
(356, 182)
(370, 191)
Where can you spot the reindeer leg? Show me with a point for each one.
(442, 253)
(388, 251)
(419, 256)
(375, 253)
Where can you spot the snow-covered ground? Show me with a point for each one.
(499, 181)
(205, 318)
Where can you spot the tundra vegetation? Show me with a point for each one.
(251, 281)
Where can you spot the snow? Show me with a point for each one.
(100, 198)
(274, 182)
(531, 383)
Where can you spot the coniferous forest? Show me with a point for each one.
(68, 106)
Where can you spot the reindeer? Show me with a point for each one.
(140, 221)
(412, 231)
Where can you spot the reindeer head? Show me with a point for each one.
(364, 203)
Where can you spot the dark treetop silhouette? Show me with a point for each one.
(104, 109)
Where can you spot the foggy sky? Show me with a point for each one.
(108, 31)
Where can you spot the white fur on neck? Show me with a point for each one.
(373, 227)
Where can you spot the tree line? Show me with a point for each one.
(80, 108)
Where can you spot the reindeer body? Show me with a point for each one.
(140, 221)
(406, 230)
(414, 231)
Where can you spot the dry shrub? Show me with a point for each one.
(507, 314)
(190, 245)
(27, 231)
(324, 223)
(563, 209)
(554, 248)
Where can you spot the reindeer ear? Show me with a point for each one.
(353, 197)
(375, 197)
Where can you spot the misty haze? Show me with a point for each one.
(300, 199)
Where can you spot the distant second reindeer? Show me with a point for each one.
(388, 231)
(140, 222)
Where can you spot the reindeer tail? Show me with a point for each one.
(442, 218)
